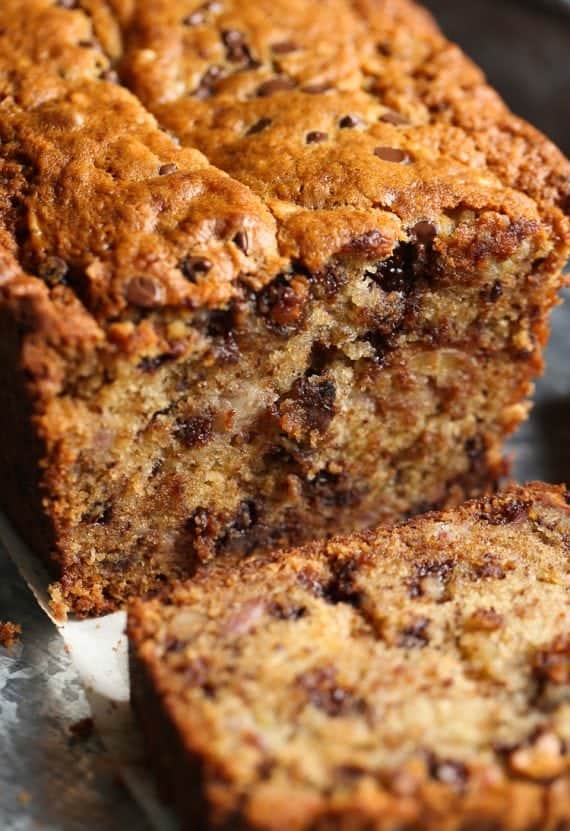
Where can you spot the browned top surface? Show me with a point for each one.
(341, 124)
(417, 677)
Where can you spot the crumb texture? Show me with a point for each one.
(269, 272)
(9, 634)
(414, 678)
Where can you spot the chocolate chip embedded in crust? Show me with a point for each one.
(392, 154)
(110, 75)
(424, 232)
(194, 19)
(367, 243)
(284, 48)
(258, 127)
(208, 82)
(191, 267)
(53, 270)
(315, 136)
(498, 512)
(167, 169)
(275, 85)
(67, 4)
(394, 118)
(348, 121)
(241, 239)
(144, 292)
(236, 47)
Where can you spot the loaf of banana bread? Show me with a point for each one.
(414, 679)
(269, 270)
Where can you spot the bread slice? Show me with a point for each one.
(415, 678)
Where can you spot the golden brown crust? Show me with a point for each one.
(330, 319)
(413, 678)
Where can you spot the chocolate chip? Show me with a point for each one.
(324, 693)
(67, 4)
(309, 405)
(53, 270)
(498, 512)
(316, 89)
(391, 117)
(424, 232)
(315, 136)
(275, 85)
(258, 126)
(349, 121)
(208, 81)
(415, 636)
(144, 292)
(392, 154)
(191, 267)
(490, 569)
(86, 44)
(110, 75)
(236, 47)
(150, 365)
(241, 239)
(167, 169)
(194, 431)
(282, 305)
(495, 292)
(366, 243)
(194, 19)
(284, 48)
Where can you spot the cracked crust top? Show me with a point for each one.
(342, 125)
(413, 678)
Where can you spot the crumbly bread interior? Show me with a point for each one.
(269, 273)
(416, 678)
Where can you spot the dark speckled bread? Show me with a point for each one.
(268, 271)
(416, 679)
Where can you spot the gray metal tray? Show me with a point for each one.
(52, 781)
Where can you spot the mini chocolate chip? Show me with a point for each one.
(207, 82)
(144, 292)
(315, 136)
(275, 85)
(53, 270)
(67, 4)
(258, 126)
(241, 239)
(236, 47)
(284, 48)
(167, 169)
(349, 121)
(424, 232)
(192, 266)
(193, 19)
(415, 636)
(110, 75)
(392, 154)
(86, 44)
(391, 117)
(316, 89)
(495, 291)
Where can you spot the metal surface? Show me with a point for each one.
(52, 781)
